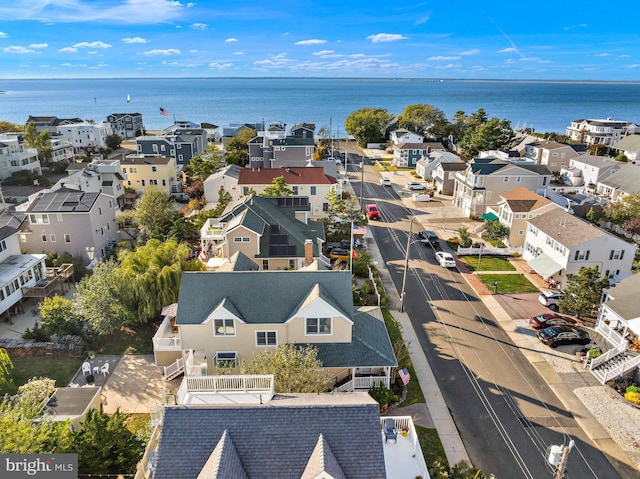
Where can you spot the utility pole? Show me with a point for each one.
(406, 266)
(362, 183)
(562, 464)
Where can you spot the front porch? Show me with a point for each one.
(619, 357)
(362, 379)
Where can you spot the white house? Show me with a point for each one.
(600, 131)
(630, 147)
(402, 135)
(225, 177)
(426, 167)
(86, 135)
(558, 243)
(16, 156)
(587, 170)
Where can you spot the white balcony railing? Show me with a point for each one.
(255, 385)
(367, 382)
(167, 344)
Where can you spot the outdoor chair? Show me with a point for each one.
(104, 369)
(390, 430)
(86, 368)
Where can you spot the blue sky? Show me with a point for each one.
(481, 39)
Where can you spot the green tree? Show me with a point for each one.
(367, 125)
(40, 141)
(295, 369)
(224, 198)
(238, 147)
(495, 134)
(151, 275)
(6, 382)
(278, 187)
(106, 446)
(154, 213)
(113, 141)
(201, 166)
(98, 300)
(21, 434)
(622, 158)
(59, 317)
(583, 291)
(425, 120)
(463, 235)
(496, 230)
(625, 210)
(592, 216)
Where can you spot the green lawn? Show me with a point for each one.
(60, 369)
(508, 283)
(414, 393)
(488, 263)
(134, 340)
(431, 446)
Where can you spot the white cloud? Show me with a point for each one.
(231, 40)
(327, 54)
(530, 59)
(473, 51)
(581, 25)
(166, 52)
(38, 45)
(199, 26)
(135, 40)
(422, 20)
(68, 50)
(238, 53)
(313, 41)
(220, 66)
(448, 66)
(17, 49)
(386, 37)
(92, 45)
(279, 56)
(603, 54)
(440, 57)
(83, 11)
(508, 50)
(3, 35)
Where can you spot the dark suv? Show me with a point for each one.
(429, 238)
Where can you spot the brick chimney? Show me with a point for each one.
(308, 252)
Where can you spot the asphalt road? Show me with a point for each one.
(507, 416)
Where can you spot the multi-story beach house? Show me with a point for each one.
(16, 156)
(600, 131)
(126, 125)
(159, 172)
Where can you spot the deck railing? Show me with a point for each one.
(406, 423)
(367, 382)
(167, 343)
(226, 384)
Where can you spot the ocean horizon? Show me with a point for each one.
(544, 105)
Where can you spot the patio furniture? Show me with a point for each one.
(86, 368)
(96, 370)
(390, 431)
(104, 369)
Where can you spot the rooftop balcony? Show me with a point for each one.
(403, 457)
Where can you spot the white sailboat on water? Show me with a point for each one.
(128, 98)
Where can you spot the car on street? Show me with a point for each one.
(429, 238)
(446, 260)
(555, 335)
(384, 181)
(550, 299)
(414, 185)
(372, 212)
(340, 253)
(545, 320)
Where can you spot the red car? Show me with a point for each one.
(372, 212)
(542, 321)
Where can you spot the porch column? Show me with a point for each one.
(353, 379)
(387, 370)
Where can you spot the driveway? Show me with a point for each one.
(521, 306)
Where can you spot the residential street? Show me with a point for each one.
(507, 415)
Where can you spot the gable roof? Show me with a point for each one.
(567, 229)
(6, 231)
(292, 175)
(323, 460)
(260, 297)
(522, 199)
(625, 302)
(257, 212)
(596, 161)
(455, 165)
(224, 461)
(626, 179)
(549, 145)
(433, 145)
(628, 143)
(276, 439)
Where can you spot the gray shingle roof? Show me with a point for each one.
(626, 179)
(224, 462)
(272, 440)
(6, 231)
(628, 143)
(260, 297)
(323, 460)
(567, 229)
(626, 301)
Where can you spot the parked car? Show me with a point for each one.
(429, 238)
(446, 260)
(414, 185)
(554, 335)
(385, 181)
(550, 299)
(372, 212)
(545, 320)
(340, 253)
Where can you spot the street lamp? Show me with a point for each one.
(406, 266)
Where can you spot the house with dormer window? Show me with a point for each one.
(225, 317)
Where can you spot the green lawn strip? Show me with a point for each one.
(488, 263)
(508, 283)
(414, 393)
(431, 446)
(62, 369)
(134, 340)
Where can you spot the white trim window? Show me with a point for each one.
(242, 239)
(317, 326)
(224, 327)
(226, 359)
(266, 338)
